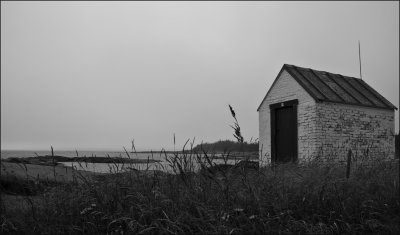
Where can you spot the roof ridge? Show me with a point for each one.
(322, 71)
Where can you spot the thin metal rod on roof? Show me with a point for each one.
(359, 57)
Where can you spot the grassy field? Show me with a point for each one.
(310, 198)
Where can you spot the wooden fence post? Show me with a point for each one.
(54, 163)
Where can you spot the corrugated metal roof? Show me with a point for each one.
(329, 87)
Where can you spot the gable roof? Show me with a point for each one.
(336, 88)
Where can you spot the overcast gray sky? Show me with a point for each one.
(94, 75)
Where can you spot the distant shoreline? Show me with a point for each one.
(53, 160)
(50, 160)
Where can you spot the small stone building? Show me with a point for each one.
(308, 114)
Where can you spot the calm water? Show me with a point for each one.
(162, 165)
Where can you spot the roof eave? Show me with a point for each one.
(358, 105)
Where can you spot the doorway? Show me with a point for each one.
(284, 132)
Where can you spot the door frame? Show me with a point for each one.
(273, 107)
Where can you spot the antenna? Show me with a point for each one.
(359, 56)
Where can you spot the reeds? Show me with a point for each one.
(218, 198)
(236, 128)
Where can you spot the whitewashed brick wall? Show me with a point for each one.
(286, 88)
(368, 132)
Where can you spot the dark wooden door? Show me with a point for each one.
(285, 134)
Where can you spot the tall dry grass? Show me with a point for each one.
(304, 198)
